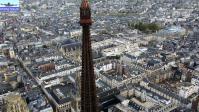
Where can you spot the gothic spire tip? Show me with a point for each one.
(85, 4)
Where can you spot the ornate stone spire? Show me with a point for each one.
(88, 86)
(85, 13)
(85, 4)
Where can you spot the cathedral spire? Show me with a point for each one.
(88, 86)
(85, 14)
(85, 4)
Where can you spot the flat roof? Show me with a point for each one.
(62, 93)
(146, 104)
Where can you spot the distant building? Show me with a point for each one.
(14, 103)
(62, 96)
(47, 67)
(195, 80)
(37, 102)
(11, 53)
(75, 33)
(116, 74)
(187, 90)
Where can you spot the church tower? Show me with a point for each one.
(88, 86)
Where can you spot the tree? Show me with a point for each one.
(145, 27)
